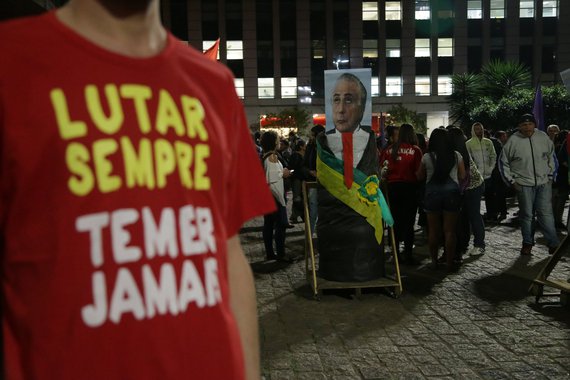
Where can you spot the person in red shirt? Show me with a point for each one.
(400, 162)
(122, 153)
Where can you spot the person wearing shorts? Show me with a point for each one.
(442, 168)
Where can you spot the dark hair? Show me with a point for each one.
(457, 139)
(442, 154)
(268, 141)
(560, 137)
(317, 128)
(406, 136)
(500, 133)
(422, 143)
(299, 145)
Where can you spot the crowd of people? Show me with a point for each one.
(440, 185)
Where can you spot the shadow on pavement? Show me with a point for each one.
(510, 285)
(268, 266)
(245, 230)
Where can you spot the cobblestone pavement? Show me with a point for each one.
(478, 323)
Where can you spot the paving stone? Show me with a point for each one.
(346, 377)
(494, 374)
(282, 375)
(311, 376)
(434, 370)
(552, 370)
(370, 373)
(306, 362)
(364, 358)
(534, 375)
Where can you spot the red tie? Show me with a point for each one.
(347, 158)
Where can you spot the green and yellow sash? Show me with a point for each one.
(364, 196)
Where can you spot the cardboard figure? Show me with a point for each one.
(350, 203)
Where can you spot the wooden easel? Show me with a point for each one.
(542, 280)
(318, 284)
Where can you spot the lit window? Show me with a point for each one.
(392, 48)
(422, 10)
(393, 86)
(235, 49)
(370, 49)
(393, 10)
(318, 49)
(444, 86)
(423, 86)
(238, 83)
(305, 94)
(527, 9)
(375, 89)
(422, 47)
(474, 9)
(265, 88)
(369, 11)
(208, 44)
(550, 8)
(288, 88)
(445, 13)
(497, 8)
(445, 47)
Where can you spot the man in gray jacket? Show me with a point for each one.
(528, 164)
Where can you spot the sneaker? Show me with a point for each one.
(526, 248)
(476, 251)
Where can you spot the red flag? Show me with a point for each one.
(212, 52)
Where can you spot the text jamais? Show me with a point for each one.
(186, 232)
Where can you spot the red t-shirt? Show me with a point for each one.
(121, 181)
(404, 167)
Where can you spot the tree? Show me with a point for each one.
(401, 115)
(466, 93)
(293, 117)
(500, 78)
(500, 94)
(556, 106)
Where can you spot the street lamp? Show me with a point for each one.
(340, 60)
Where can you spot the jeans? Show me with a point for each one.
(490, 198)
(559, 197)
(537, 200)
(472, 204)
(275, 222)
(403, 205)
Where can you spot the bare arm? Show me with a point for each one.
(244, 307)
(461, 170)
(421, 173)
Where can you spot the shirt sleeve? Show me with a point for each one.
(247, 193)
(505, 165)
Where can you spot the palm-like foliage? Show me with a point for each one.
(466, 92)
(501, 78)
(485, 97)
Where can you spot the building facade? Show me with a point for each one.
(278, 49)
